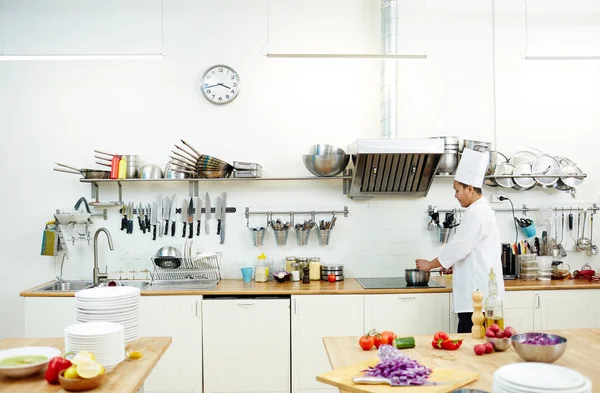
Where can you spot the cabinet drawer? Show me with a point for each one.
(519, 300)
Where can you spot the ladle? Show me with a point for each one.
(583, 243)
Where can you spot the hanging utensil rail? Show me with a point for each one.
(292, 213)
(524, 209)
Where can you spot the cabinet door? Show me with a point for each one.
(568, 309)
(315, 317)
(518, 310)
(179, 317)
(48, 316)
(408, 314)
(246, 345)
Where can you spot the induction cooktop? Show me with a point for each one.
(392, 283)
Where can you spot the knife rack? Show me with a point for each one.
(212, 210)
(292, 213)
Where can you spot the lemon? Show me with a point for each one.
(89, 369)
(71, 373)
(82, 356)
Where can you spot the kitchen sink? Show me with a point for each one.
(66, 286)
(128, 283)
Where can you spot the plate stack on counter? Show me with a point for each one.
(539, 378)
(106, 340)
(111, 304)
(337, 270)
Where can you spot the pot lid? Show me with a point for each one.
(523, 156)
(570, 170)
(545, 165)
(523, 169)
(504, 168)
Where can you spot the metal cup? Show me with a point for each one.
(302, 237)
(445, 234)
(281, 237)
(258, 236)
(324, 235)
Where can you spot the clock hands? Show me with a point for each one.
(227, 87)
(218, 84)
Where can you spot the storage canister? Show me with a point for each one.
(288, 263)
(302, 263)
(314, 264)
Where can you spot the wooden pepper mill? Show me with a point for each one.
(477, 331)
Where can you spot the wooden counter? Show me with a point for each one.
(346, 287)
(127, 377)
(581, 355)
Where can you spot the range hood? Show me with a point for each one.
(403, 166)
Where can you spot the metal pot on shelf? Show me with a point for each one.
(449, 160)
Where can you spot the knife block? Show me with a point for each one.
(477, 331)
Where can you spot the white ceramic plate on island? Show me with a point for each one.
(25, 361)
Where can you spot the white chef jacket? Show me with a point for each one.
(472, 251)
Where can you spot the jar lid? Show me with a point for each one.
(302, 259)
(316, 259)
(332, 267)
(290, 258)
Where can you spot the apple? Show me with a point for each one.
(500, 334)
(509, 332)
(489, 348)
(494, 328)
(489, 333)
(479, 349)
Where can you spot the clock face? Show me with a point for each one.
(220, 84)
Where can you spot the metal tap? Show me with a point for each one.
(97, 275)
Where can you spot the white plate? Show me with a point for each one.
(541, 376)
(104, 293)
(114, 304)
(93, 329)
(500, 387)
(29, 369)
(124, 314)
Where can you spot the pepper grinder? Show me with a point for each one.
(306, 276)
(477, 331)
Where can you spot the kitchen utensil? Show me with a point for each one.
(417, 277)
(566, 182)
(26, 370)
(167, 214)
(202, 165)
(545, 165)
(445, 234)
(223, 216)
(476, 145)
(190, 218)
(184, 215)
(198, 213)
(218, 213)
(132, 166)
(171, 171)
(523, 183)
(539, 353)
(563, 251)
(168, 257)
(593, 247)
(141, 218)
(325, 149)
(150, 171)
(502, 169)
(326, 165)
(86, 173)
(583, 242)
(247, 169)
(495, 158)
(258, 236)
(173, 213)
(500, 344)
(523, 157)
(207, 213)
(154, 219)
(159, 215)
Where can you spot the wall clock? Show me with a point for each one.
(220, 84)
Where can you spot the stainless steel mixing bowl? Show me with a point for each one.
(326, 165)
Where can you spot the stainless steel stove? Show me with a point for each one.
(392, 283)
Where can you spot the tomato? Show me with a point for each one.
(380, 340)
(391, 336)
(366, 342)
(331, 277)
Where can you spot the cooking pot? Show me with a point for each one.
(418, 278)
(496, 158)
(480, 146)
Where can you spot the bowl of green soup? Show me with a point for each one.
(25, 361)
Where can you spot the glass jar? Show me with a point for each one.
(288, 263)
(314, 263)
(302, 263)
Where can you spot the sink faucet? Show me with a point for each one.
(97, 275)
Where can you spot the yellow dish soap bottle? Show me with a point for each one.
(494, 306)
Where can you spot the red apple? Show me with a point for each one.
(494, 328)
(479, 349)
(500, 334)
(489, 348)
(509, 332)
(489, 333)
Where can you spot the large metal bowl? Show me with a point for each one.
(326, 165)
(324, 149)
(168, 257)
(539, 353)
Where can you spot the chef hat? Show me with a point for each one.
(472, 167)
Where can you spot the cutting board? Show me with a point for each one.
(450, 377)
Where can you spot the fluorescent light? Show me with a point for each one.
(343, 56)
(151, 56)
(561, 57)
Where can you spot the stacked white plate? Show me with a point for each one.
(110, 304)
(539, 378)
(104, 339)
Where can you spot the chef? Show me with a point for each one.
(476, 247)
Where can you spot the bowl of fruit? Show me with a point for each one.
(83, 374)
(499, 338)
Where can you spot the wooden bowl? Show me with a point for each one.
(80, 384)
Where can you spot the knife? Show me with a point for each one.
(184, 213)
(218, 213)
(173, 214)
(198, 214)
(167, 214)
(159, 215)
(207, 213)
(130, 220)
(154, 219)
(223, 216)
(148, 216)
(141, 218)
(190, 218)
(124, 216)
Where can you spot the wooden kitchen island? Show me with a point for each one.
(581, 355)
(127, 377)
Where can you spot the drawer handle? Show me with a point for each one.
(249, 304)
(407, 297)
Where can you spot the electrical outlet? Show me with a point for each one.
(496, 198)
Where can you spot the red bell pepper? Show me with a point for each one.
(452, 345)
(441, 336)
(55, 366)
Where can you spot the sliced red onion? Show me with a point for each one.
(398, 367)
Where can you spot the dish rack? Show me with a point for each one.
(203, 267)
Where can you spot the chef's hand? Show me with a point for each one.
(423, 264)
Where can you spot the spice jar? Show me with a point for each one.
(314, 265)
(302, 263)
(288, 263)
(306, 275)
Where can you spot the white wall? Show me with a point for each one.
(61, 111)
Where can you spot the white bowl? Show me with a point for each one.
(29, 369)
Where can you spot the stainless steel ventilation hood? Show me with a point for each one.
(403, 167)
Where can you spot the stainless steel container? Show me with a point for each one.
(133, 165)
(416, 277)
(476, 145)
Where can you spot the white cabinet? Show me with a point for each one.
(518, 310)
(315, 317)
(567, 309)
(408, 314)
(48, 316)
(179, 317)
(246, 345)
